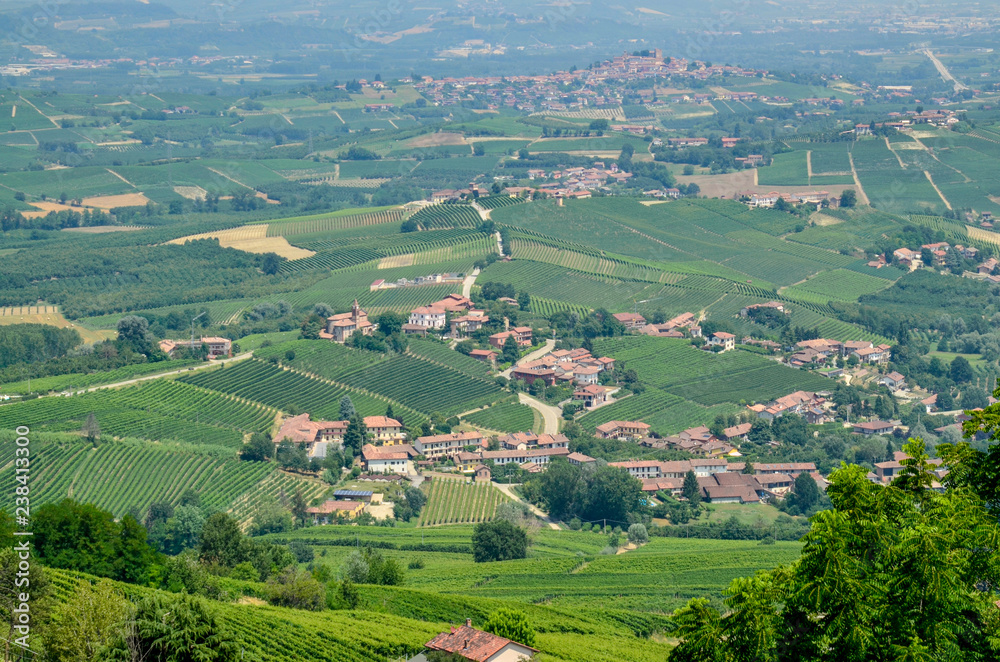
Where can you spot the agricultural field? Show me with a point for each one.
(76, 381)
(119, 475)
(788, 169)
(447, 216)
(457, 501)
(839, 285)
(889, 185)
(505, 417)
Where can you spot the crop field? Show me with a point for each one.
(889, 186)
(252, 239)
(665, 412)
(425, 386)
(497, 201)
(830, 158)
(286, 389)
(679, 368)
(457, 501)
(158, 409)
(788, 169)
(117, 475)
(79, 380)
(530, 248)
(504, 417)
(335, 221)
(839, 284)
(447, 216)
(321, 357)
(439, 352)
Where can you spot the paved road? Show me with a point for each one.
(943, 70)
(503, 487)
(550, 414)
(533, 356)
(469, 281)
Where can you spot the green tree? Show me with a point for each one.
(691, 490)
(478, 149)
(805, 493)
(222, 543)
(511, 351)
(260, 448)
(170, 628)
(347, 410)
(91, 428)
(311, 326)
(498, 540)
(637, 534)
(559, 487)
(134, 331)
(523, 301)
(297, 589)
(390, 322)
(848, 198)
(270, 264)
(889, 573)
(960, 370)
(511, 624)
(354, 435)
(611, 494)
(90, 619)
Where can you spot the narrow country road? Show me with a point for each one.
(503, 487)
(550, 414)
(533, 356)
(469, 281)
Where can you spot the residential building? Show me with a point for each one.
(485, 355)
(874, 427)
(623, 430)
(299, 429)
(894, 380)
(332, 510)
(217, 347)
(533, 455)
(592, 395)
(726, 341)
(580, 459)
(522, 334)
(442, 445)
(639, 468)
(429, 317)
(384, 429)
(586, 375)
(631, 320)
(471, 644)
(531, 375)
(388, 459)
(462, 326)
(342, 326)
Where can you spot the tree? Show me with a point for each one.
(559, 487)
(222, 543)
(511, 351)
(347, 410)
(86, 622)
(259, 449)
(297, 589)
(691, 490)
(973, 398)
(960, 370)
(270, 264)
(611, 494)
(173, 628)
(637, 534)
(311, 326)
(511, 624)
(390, 322)
(13, 583)
(91, 428)
(523, 301)
(498, 540)
(478, 149)
(354, 435)
(843, 601)
(134, 331)
(300, 507)
(805, 493)
(848, 198)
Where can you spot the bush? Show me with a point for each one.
(297, 589)
(416, 564)
(575, 524)
(637, 534)
(498, 540)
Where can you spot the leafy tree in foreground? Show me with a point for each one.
(498, 540)
(895, 572)
(511, 624)
(86, 622)
(173, 629)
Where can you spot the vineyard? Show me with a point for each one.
(839, 285)
(447, 216)
(159, 409)
(505, 417)
(439, 352)
(121, 474)
(456, 501)
(497, 201)
(289, 390)
(79, 380)
(335, 221)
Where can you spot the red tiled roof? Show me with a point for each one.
(470, 643)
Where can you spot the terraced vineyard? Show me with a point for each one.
(287, 389)
(447, 216)
(439, 352)
(504, 417)
(457, 501)
(497, 201)
(118, 475)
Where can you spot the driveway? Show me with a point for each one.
(503, 487)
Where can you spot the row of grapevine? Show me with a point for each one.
(505, 417)
(335, 221)
(447, 216)
(456, 501)
(497, 201)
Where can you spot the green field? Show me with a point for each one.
(787, 169)
(839, 285)
(457, 501)
(505, 417)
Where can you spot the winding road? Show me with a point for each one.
(550, 414)
(505, 488)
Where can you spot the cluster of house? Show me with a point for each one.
(819, 350)
(814, 407)
(577, 366)
(683, 325)
(431, 279)
(217, 347)
(700, 441)
(756, 200)
(914, 259)
(886, 472)
(719, 480)
(905, 121)
(319, 435)
(345, 504)
(578, 182)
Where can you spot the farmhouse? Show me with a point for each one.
(533, 455)
(522, 334)
(397, 460)
(874, 427)
(580, 459)
(623, 430)
(469, 643)
(531, 375)
(894, 380)
(332, 510)
(217, 347)
(485, 355)
(342, 326)
(592, 395)
(525, 440)
(441, 445)
(299, 429)
(384, 429)
(631, 321)
(428, 317)
(462, 326)
(726, 341)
